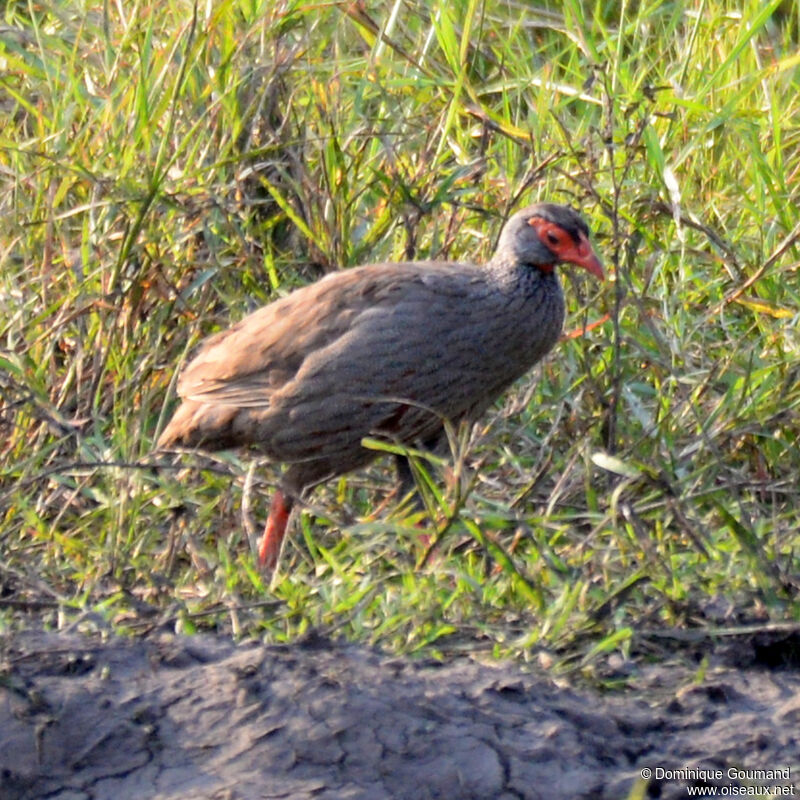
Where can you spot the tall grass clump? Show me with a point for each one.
(166, 169)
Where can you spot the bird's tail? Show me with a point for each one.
(199, 425)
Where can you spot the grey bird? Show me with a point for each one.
(386, 351)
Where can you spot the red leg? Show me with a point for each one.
(270, 547)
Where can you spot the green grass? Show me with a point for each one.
(167, 169)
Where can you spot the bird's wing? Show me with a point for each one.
(247, 364)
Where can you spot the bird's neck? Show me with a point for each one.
(514, 276)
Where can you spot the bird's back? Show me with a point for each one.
(378, 350)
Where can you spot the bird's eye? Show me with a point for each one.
(550, 234)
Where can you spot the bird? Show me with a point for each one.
(387, 351)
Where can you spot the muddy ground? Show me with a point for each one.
(201, 718)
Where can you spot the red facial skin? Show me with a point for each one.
(565, 248)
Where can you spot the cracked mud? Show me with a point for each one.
(201, 718)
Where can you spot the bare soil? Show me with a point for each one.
(167, 717)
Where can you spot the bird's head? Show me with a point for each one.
(547, 234)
